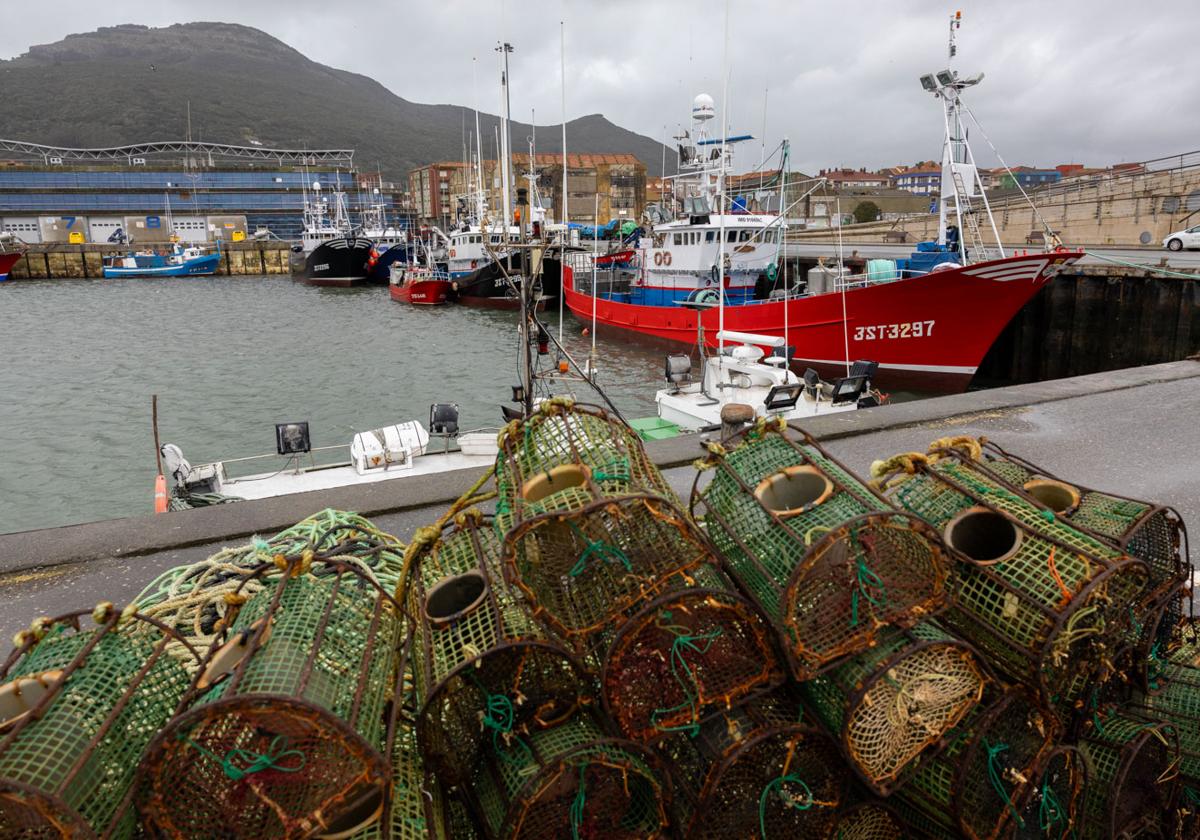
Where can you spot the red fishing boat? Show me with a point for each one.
(418, 284)
(928, 320)
(11, 250)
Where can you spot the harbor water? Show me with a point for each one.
(229, 357)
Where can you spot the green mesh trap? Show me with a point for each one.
(590, 526)
(821, 553)
(78, 705)
(282, 733)
(571, 781)
(756, 770)
(871, 820)
(978, 783)
(1152, 533)
(1047, 604)
(1054, 807)
(889, 705)
(1132, 776)
(485, 672)
(697, 648)
(1178, 700)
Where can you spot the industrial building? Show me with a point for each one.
(208, 191)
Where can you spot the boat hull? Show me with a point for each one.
(422, 292)
(7, 261)
(198, 267)
(489, 287)
(381, 269)
(339, 263)
(931, 331)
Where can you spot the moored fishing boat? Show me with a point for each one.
(11, 250)
(178, 262)
(928, 320)
(418, 284)
(330, 253)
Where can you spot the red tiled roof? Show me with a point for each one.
(577, 160)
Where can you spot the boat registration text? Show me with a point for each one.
(911, 329)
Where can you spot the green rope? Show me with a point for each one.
(1050, 812)
(788, 801)
(680, 645)
(993, 760)
(621, 471)
(866, 580)
(600, 549)
(580, 803)
(239, 763)
(1048, 515)
(499, 717)
(1155, 666)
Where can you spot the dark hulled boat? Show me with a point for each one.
(487, 285)
(338, 262)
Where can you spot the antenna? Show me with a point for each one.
(955, 23)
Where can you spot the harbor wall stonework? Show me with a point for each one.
(56, 261)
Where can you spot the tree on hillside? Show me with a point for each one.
(866, 211)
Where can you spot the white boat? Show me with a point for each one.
(391, 453)
(743, 376)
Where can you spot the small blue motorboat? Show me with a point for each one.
(180, 262)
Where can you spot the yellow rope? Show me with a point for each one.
(972, 447)
(906, 464)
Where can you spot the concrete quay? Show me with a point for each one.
(1132, 431)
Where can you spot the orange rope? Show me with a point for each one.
(1066, 592)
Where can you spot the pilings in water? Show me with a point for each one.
(57, 261)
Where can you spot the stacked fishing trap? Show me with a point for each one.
(965, 646)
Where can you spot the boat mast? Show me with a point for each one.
(562, 78)
(505, 140)
(480, 209)
(721, 192)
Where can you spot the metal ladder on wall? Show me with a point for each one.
(967, 212)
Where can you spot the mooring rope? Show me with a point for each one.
(1163, 271)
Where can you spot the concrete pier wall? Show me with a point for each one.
(60, 261)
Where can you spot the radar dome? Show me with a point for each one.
(702, 107)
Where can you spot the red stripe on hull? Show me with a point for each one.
(423, 293)
(935, 328)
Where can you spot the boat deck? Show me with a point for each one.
(269, 485)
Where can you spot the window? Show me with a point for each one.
(709, 236)
(679, 239)
(731, 236)
(746, 235)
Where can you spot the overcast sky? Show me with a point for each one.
(1087, 81)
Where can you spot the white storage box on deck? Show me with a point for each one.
(478, 443)
(391, 446)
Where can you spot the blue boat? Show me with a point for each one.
(181, 262)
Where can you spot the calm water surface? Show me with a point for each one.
(229, 357)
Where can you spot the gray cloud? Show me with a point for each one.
(1087, 81)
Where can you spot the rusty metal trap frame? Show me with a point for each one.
(897, 701)
(485, 672)
(1145, 530)
(571, 780)
(696, 649)
(1047, 604)
(78, 705)
(590, 526)
(979, 782)
(869, 820)
(282, 732)
(756, 770)
(825, 556)
(1133, 775)
(1054, 808)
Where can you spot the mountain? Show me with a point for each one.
(129, 84)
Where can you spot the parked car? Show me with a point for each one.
(1179, 240)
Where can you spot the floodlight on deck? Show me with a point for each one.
(929, 82)
(946, 77)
